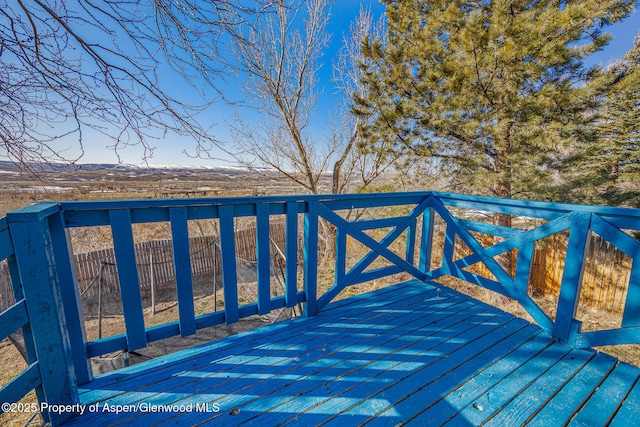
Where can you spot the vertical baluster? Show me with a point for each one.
(426, 240)
(182, 265)
(263, 255)
(70, 296)
(523, 266)
(449, 245)
(228, 253)
(341, 255)
(291, 248)
(411, 243)
(128, 277)
(566, 326)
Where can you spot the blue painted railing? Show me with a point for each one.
(35, 243)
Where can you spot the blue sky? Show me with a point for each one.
(169, 150)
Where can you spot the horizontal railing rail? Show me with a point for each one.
(398, 240)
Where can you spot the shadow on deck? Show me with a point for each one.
(412, 353)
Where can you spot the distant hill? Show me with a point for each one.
(47, 168)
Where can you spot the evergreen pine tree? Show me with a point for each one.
(495, 89)
(611, 165)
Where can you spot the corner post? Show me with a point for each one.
(426, 240)
(566, 327)
(36, 261)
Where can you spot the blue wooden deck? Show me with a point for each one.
(410, 353)
(413, 353)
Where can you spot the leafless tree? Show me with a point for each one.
(281, 57)
(353, 163)
(109, 66)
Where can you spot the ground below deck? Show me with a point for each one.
(409, 353)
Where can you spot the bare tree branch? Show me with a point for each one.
(110, 66)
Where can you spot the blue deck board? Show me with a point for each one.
(628, 413)
(605, 401)
(464, 393)
(575, 392)
(525, 404)
(406, 353)
(363, 366)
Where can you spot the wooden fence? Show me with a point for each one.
(7, 299)
(605, 279)
(155, 261)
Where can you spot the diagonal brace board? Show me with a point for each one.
(523, 239)
(503, 277)
(384, 243)
(377, 248)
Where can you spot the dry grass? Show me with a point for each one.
(12, 364)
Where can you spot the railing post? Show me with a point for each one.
(566, 327)
(311, 258)
(426, 240)
(523, 266)
(36, 261)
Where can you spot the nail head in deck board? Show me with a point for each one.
(534, 397)
(369, 354)
(266, 389)
(412, 401)
(283, 330)
(422, 387)
(287, 334)
(497, 397)
(457, 351)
